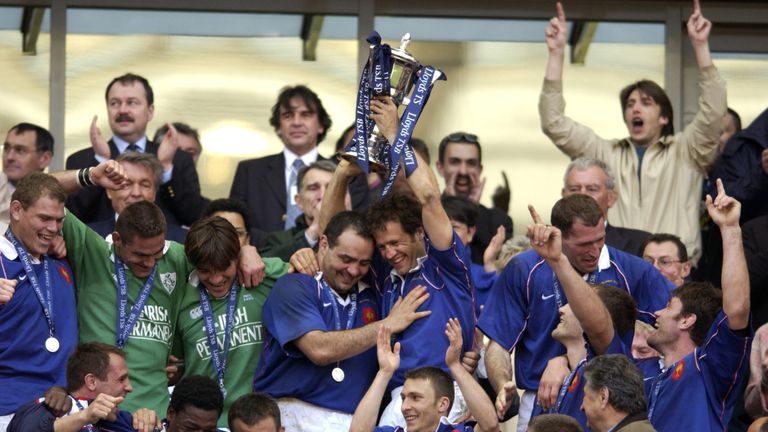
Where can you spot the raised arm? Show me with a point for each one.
(422, 181)
(556, 34)
(327, 347)
(367, 411)
(477, 400)
(109, 175)
(698, 32)
(498, 363)
(585, 304)
(725, 212)
(336, 192)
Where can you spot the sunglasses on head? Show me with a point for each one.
(461, 137)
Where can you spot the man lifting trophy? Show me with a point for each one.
(393, 72)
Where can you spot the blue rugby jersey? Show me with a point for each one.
(523, 307)
(27, 369)
(447, 277)
(698, 392)
(295, 307)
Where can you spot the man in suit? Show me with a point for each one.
(130, 107)
(594, 178)
(267, 184)
(142, 178)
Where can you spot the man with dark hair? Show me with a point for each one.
(523, 308)
(554, 423)
(594, 178)
(668, 254)
(656, 168)
(415, 238)
(613, 396)
(459, 163)
(268, 185)
(428, 392)
(220, 331)
(704, 337)
(143, 174)
(38, 325)
(255, 412)
(195, 405)
(188, 139)
(321, 330)
(130, 107)
(235, 212)
(97, 382)
(27, 148)
(312, 182)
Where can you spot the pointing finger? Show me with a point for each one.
(561, 12)
(534, 214)
(696, 7)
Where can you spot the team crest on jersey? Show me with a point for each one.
(611, 282)
(369, 315)
(574, 383)
(678, 372)
(196, 313)
(169, 281)
(65, 274)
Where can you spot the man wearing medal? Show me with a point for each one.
(318, 356)
(38, 325)
(219, 332)
(417, 247)
(128, 291)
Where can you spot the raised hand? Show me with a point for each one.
(453, 332)
(476, 187)
(504, 399)
(389, 357)
(698, 26)
(146, 420)
(109, 175)
(724, 210)
(384, 113)
(546, 240)
(557, 31)
(99, 144)
(167, 149)
(493, 249)
(103, 407)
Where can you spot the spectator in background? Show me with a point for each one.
(235, 212)
(187, 137)
(27, 148)
(667, 253)
(255, 412)
(656, 168)
(130, 107)
(459, 163)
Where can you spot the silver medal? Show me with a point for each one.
(52, 344)
(337, 374)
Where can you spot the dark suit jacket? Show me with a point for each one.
(488, 220)
(755, 234)
(174, 232)
(626, 239)
(283, 244)
(260, 184)
(179, 199)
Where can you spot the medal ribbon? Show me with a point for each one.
(402, 146)
(45, 301)
(89, 426)
(218, 358)
(326, 290)
(125, 324)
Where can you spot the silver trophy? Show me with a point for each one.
(405, 69)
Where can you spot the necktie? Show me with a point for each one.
(291, 210)
(132, 148)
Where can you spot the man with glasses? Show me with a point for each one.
(459, 162)
(27, 148)
(668, 254)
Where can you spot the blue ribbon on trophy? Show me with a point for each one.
(393, 72)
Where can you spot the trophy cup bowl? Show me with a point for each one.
(402, 78)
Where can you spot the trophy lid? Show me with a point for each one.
(402, 53)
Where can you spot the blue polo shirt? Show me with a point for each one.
(482, 282)
(698, 392)
(523, 307)
(447, 277)
(27, 369)
(296, 306)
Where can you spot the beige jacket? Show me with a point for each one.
(666, 197)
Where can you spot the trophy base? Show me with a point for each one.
(373, 165)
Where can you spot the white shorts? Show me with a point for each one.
(299, 416)
(5, 421)
(393, 414)
(526, 407)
